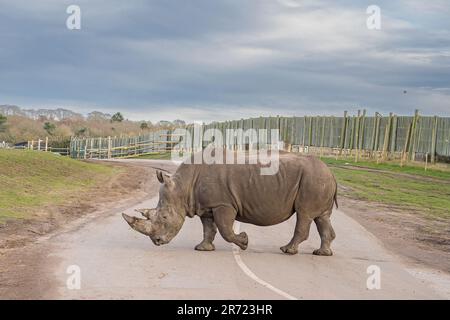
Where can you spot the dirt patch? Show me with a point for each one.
(416, 239)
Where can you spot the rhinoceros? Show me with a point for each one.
(223, 193)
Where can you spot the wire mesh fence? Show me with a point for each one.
(406, 137)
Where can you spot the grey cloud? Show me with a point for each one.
(225, 58)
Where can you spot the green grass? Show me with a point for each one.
(30, 180)
(154, 156)
(407, 187)
(392, 167)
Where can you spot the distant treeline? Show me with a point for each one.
(16, 129)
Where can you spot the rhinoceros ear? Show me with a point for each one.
(160, 177)
(163, 177)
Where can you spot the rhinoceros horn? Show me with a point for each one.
(143, 226)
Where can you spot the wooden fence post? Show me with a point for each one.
(374, 130)
(386, 137)
(356, 138)
(377, 131)
(331, 141)
(361, 133)
(361, 146)
(100, 148)
(343, 132)
(352, 134)
(304, 132)
(292, 132)
(85, 148)
(46, 144)
(405, 148)
(91, 147)
(433, 140)
(322, 135)
(109, 147)
(393, 134)
(310, 132)
(414, 135)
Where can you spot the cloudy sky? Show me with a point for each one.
(226, 59)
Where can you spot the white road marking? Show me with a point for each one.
(248, 272)
(236, 253)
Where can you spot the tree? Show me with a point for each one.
(179, 123)
(164, 123)
(81, 132)
(97, 115)
(117, 117)
(42, 118)
(49, 127)
(2, 123)
(144, 125)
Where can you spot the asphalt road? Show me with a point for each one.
(116, 262)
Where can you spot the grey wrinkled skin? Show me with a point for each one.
(222, 193)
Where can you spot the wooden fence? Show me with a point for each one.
(383, 137)
(44, 145)
(121, 147)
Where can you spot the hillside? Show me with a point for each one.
(51, 114)
(32, 180)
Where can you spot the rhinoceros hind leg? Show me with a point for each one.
(327, 235)
(224, 218)
(209, 233)
(301, 233)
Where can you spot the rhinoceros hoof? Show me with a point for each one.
(289, 249)
(243, 237)
(205, 246)
(323, 252)
(242, 240)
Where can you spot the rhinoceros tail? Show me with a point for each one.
(335, 199)
(335, 193)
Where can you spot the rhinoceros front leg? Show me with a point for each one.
(301, 233)
(209, 232)
(224, 218)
